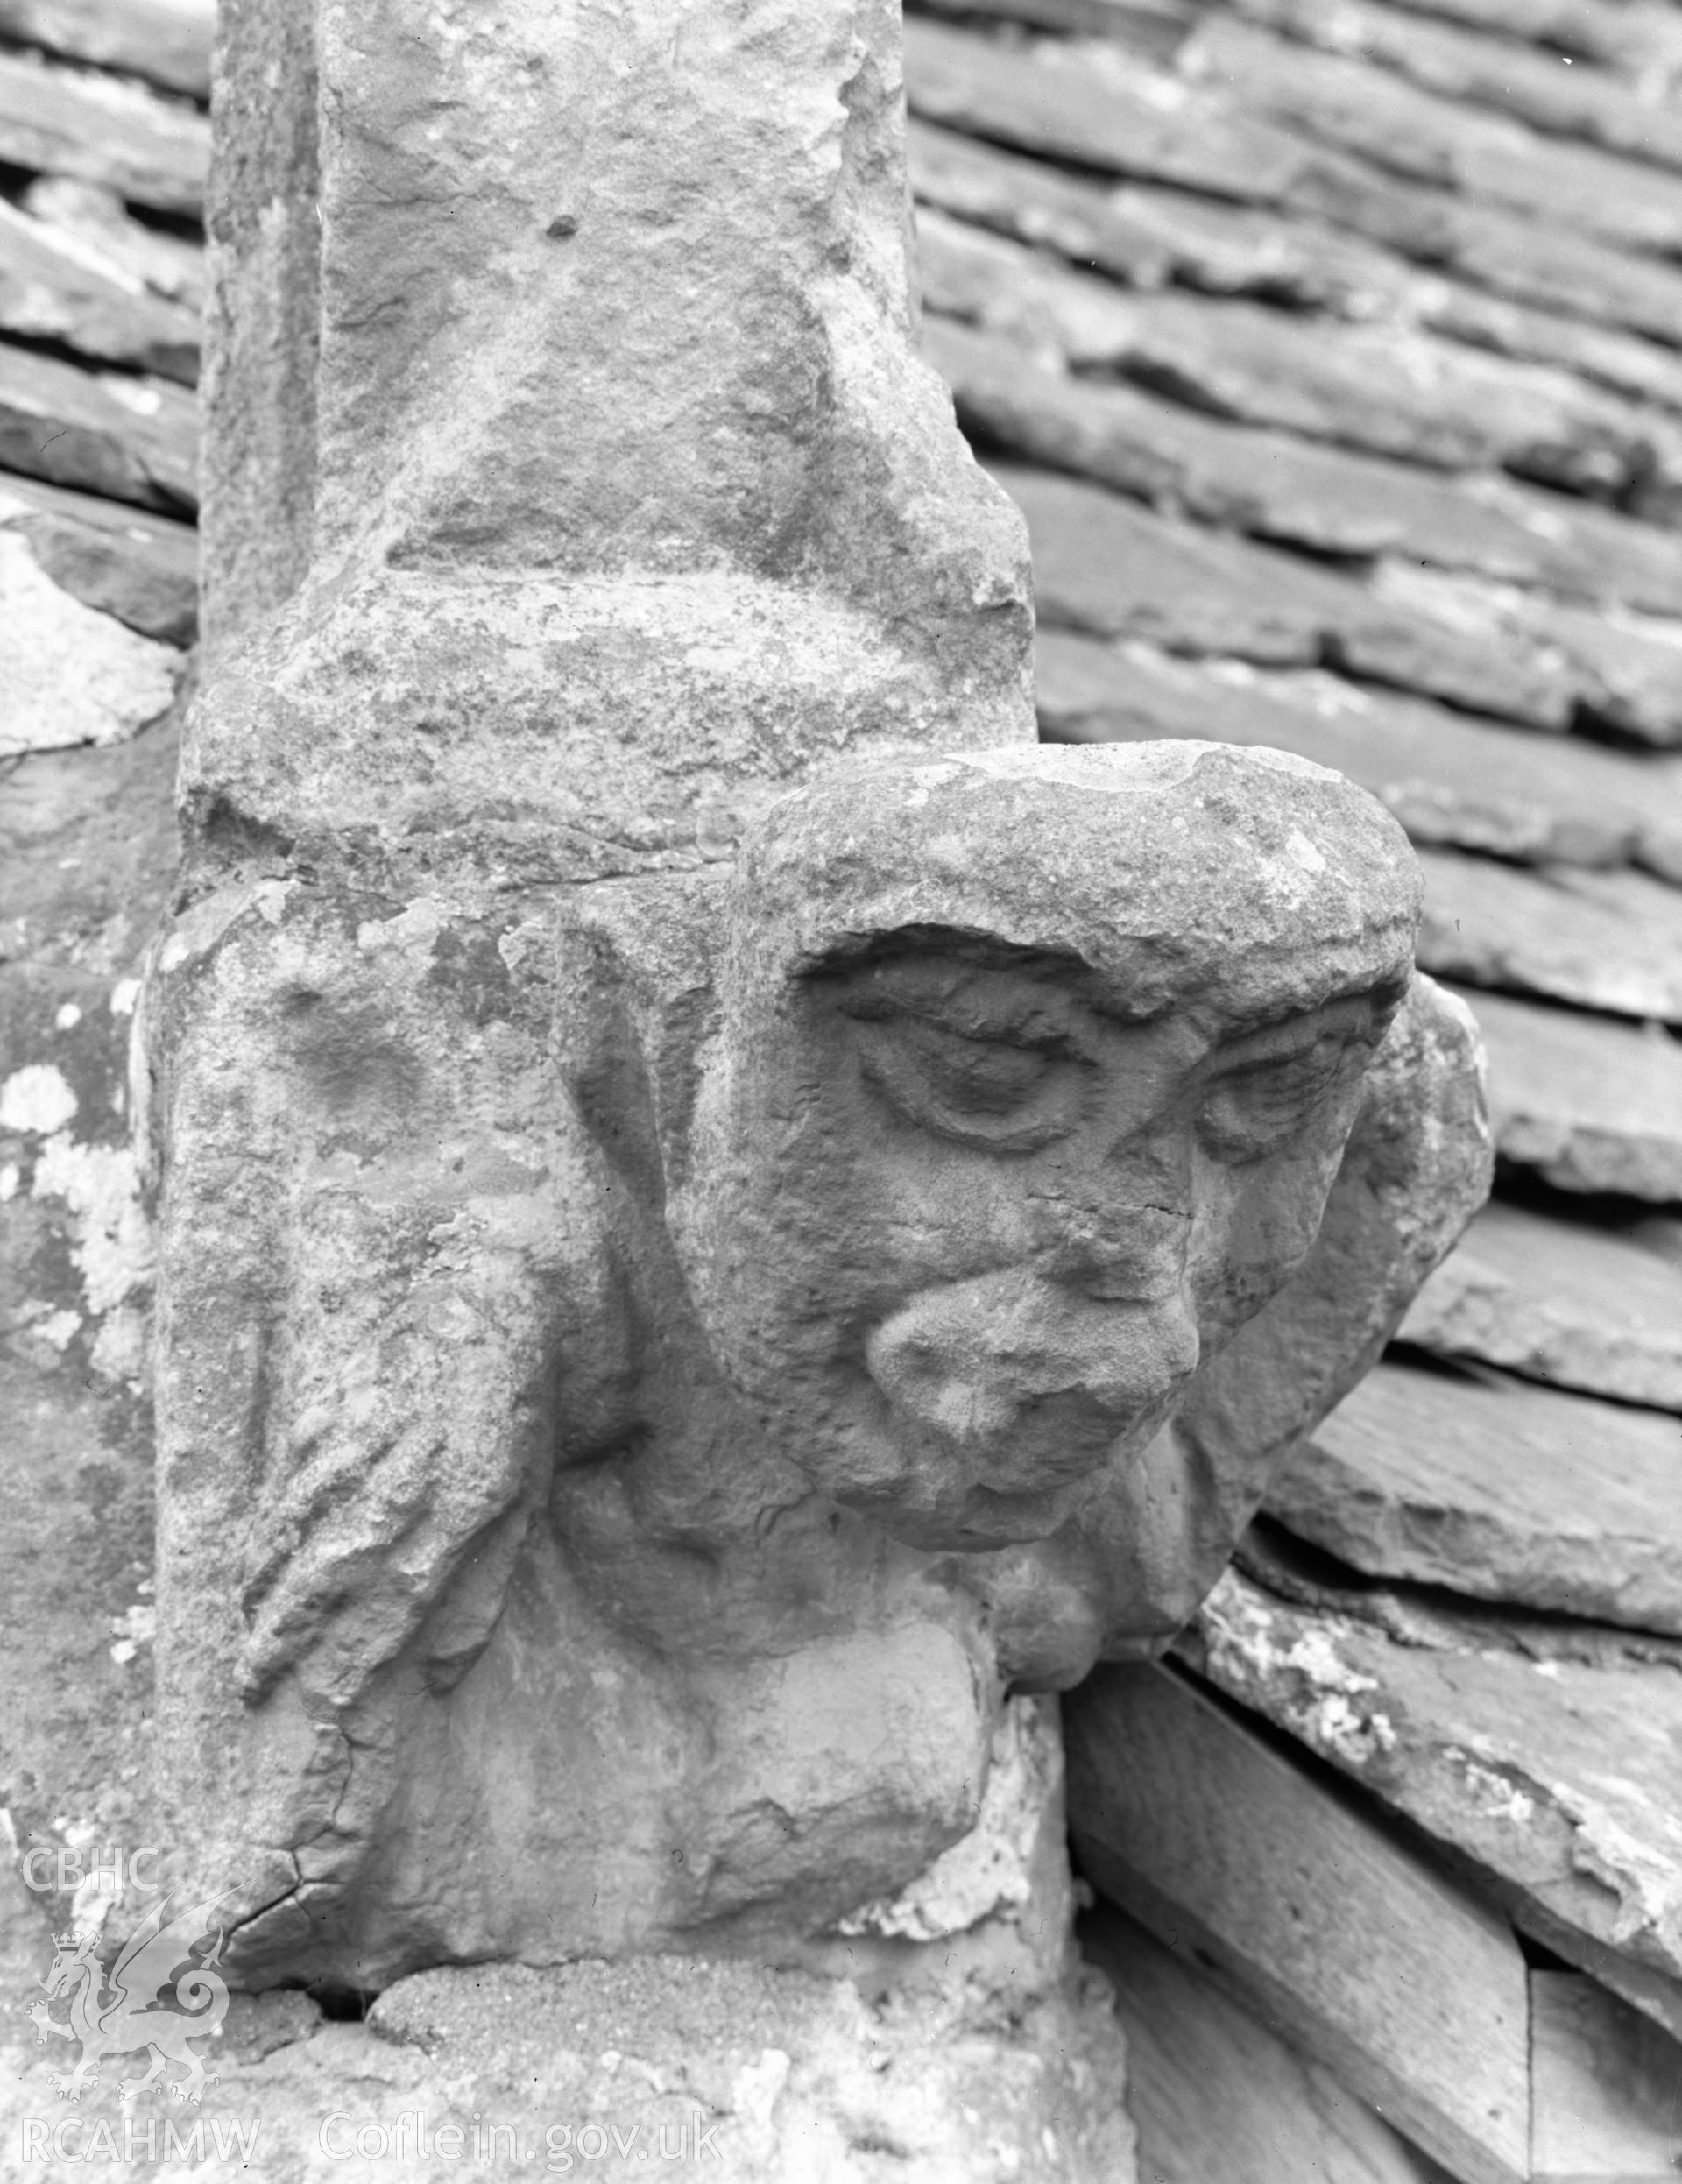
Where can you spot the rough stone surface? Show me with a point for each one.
(71, 673)
(1578, 1306)
(262, 316)
(753, 2076)
(918, 1447)
(1604, 940)
(86, 858)
(1448, 778)
(1590, 1105)
(1409, 255)
(1547, 1761)
(653, 1301)
(1497, 1491)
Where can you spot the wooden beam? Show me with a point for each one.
(1406, 1988)
(1606, 2087)
(1218, 2098)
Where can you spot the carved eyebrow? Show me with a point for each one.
(1353, 1013)
(1010, 1005)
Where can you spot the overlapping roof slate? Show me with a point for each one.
(1333, 348)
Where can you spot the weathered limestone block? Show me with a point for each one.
(726, 1217)
(86, 858)
(748, 2072)
(663, 1365)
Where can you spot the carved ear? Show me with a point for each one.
(1417, 1166)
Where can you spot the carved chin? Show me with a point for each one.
(1002, 1397)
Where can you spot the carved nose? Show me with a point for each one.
(971, 1360)
(1132, 1255)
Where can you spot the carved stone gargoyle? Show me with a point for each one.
(792, 1307)
(727, 1217)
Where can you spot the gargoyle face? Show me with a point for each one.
(1045, 1210)
(1052, 1105)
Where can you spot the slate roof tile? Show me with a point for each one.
(1604, 940)
(1544, 1758)
(1093, 107)
(1585, 1102)
(1500, 1490)
(1449, 778)
(1572, 1303)
(128, 438)
(1328, 501)
(141, 569)
(1531, 86)
(59, 286)
(1641, 39)
(166, 41)
(1354, 330)
(151, 150)
(168, 262)
(1390, 389)
(1110, 568)
(1376, 115)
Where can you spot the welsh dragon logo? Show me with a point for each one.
(125, 2010)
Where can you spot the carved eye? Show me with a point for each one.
(1256, 1109)
(1001, 1094)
